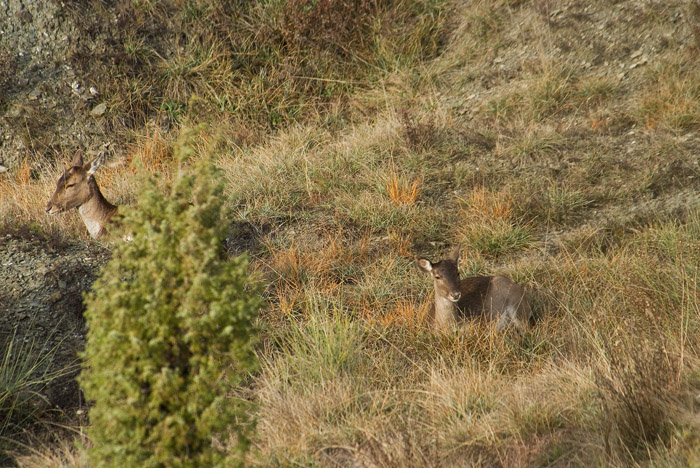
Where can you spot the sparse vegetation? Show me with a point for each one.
(262, 65)
(27, 369)
(557, 143)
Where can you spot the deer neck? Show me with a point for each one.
(96, 211)
(445, 312)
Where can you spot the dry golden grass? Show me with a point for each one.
(55, 455)
(672, 100)
(400, 243)
(24, 193)
(401, 191)
(411, 313)
(22, 202)
(578, 180)
(483, 204)
(490, 399)
(153, 152)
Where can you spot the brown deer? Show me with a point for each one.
(493, 297)
(77, 188)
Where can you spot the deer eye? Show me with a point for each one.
(69, 185)
(437, 277)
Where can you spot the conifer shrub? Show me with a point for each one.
(170, 332)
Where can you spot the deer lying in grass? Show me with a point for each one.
(77, 188)
(494, 297)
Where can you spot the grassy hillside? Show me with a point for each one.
(556, 143)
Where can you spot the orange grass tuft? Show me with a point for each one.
(109, 176)
(402, 192)
(400, 243)
(289, 265)
(24, 173)
(486, 204)
(600, 121)
(367, 308)
(287, 299)
(406, 312)
(154, 153)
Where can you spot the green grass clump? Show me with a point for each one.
(263, 64)
(638, 391)
(26, 371)
(170, 333)
(675, 102)
(323, 346)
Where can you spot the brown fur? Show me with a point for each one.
(495, 298)
(77, 188)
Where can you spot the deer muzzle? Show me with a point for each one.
(52, 208)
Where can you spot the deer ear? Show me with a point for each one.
(454, 254)
(96, 163)
(77, 158)
(424, 264)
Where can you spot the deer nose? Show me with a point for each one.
(455, 295)
(50, 208)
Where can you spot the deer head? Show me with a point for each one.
(72, 188)
(445, 275)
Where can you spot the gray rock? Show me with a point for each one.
(99, 110)
(25, 17)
